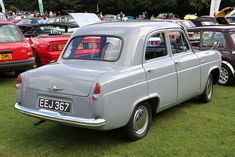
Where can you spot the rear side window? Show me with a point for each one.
(156, 46)
(208, 39)
(9, 33)
(105, 48)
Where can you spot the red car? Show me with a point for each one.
(47, 41)
(15, 51)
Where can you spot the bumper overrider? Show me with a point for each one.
(57, 117)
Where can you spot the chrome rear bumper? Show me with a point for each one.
(57, 117)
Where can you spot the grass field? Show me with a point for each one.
(191, 129)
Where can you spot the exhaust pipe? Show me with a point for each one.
(39, 122)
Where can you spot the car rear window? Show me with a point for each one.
(9, 33)
(104, 48)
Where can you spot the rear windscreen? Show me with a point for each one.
(104, 48)
(9, 33)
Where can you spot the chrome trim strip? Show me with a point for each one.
(56, 116)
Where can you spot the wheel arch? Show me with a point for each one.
(215, 74)
(229, 66)
(153, 101)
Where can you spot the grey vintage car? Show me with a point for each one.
(112, 75)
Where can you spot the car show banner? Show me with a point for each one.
(214, 7)
(2, 6)
(40, 7)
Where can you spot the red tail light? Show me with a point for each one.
(55, 47)
(18, 81)
(96, 91)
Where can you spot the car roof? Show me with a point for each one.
(117, 28)
(215, 27)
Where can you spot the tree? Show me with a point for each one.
(129, 7)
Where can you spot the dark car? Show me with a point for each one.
(207, 37)
(204, 21)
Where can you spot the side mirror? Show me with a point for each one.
(215, 45)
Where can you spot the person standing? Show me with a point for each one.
(121, 15)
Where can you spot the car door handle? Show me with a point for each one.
(178, 63)
(150, 70)
(203, 61)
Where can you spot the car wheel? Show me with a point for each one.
(37, 59)
(226, 76)
(17, 72)
(139, 122)
(206, 96)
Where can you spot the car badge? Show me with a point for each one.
(22, 51)
(54, 88)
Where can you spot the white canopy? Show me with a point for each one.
(84, 19)
(2, 6)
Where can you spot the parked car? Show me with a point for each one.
(204, 38)
(37, 20)
(15, 18)
(125, 76)
(15, 51)
(63, 19)
(48, 40)
(110, 18)
(167, 16)
(186, 24)
(190, 16)
(204, 21)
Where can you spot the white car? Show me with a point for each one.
(113, 75)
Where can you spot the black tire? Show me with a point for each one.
(37, 59)
(17, 72)
(139, 122)
(226, 77)
(206, 96)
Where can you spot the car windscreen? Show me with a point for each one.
(45, 30)
(105, 48)
(9, 33)
(188, 24)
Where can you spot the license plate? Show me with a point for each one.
(54, 105)
(5, 56)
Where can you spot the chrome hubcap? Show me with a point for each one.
(224, 76)
(209, 88)
(141, 119)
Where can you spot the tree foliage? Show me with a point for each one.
(130, 7)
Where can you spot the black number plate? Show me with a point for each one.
(54, 105)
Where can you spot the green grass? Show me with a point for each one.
(191, 129)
